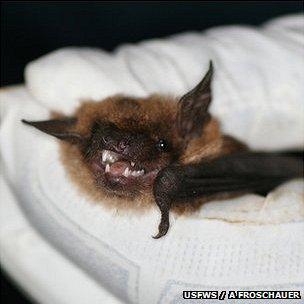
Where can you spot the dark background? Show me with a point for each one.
(31, 29)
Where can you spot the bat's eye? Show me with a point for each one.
(162, 145)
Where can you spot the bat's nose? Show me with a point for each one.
(119, 146)
(122, 146)
(129, 145)
(115, 142)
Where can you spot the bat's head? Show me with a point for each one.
(124, 142)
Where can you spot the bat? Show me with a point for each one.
(131, 153)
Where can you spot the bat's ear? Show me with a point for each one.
(193, 108)
(61, 128)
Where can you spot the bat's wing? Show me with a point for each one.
(240, 172)
(235, 173)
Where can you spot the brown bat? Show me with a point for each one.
(134, 152)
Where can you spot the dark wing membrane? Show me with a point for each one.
(235, 173)
(240, 172)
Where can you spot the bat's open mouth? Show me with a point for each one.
(115, 165)
(117, 170)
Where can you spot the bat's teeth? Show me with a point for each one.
(111, 158)
(104, 155)
(132, 164)
(137, 173)
(126, 172)
(108, 156)
(134, 173)
(107, 168)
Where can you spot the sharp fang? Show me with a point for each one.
(104, 155)
(107, 168)
(108, 157)
(126, 172)
(132, 164)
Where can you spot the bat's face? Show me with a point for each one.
(128, 143)
(124, 142)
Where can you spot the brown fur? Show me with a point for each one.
(156, 114)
